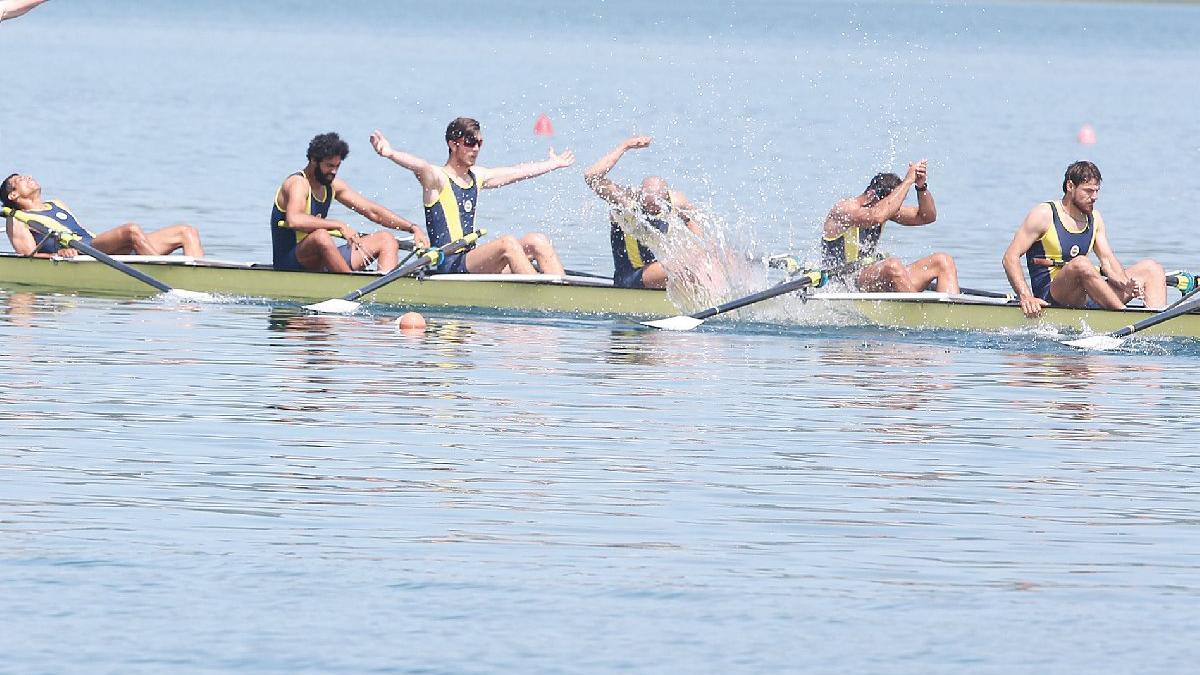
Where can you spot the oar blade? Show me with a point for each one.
(334, 306)
(190, 296)
(674, 323)
(1096, 343)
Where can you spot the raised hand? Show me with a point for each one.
(567, 158)
(380, 143)
(921, 173)
(637, 142)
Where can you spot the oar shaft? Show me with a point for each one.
(779, 289)
(80, 245)
(1181, 306)
(422, 259)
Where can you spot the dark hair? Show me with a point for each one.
(883, 184)
(327, 145)
(461, 126)
(1081, 172)
(5, 189)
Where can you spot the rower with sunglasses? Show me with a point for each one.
(854, 225)
(450, 196)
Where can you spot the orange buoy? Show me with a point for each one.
(411, 322)
(1087, 135)
(543, 127)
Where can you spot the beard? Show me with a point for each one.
(325, 179)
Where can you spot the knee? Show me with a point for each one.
(944, 263)
(893, 268)
(385, 241)
(1152, 268)
(320, 238)
(537, 241)
(512, 245)
(132, 230)
(1081, 265)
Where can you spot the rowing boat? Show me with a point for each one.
(558, 294)
(533, 292)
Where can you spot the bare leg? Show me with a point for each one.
(886, 276)
(1154, 281)
(124, 240)
(319, 251)
(494, 257)
(654, 276)
(1079, 280)
(539, 248)
(169, 239)
(936, 266)
(380, 247)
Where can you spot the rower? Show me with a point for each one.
(652, 205)
(28, 212)
(451, 194)
(1064, 232)
(854, 226)
(302, 236)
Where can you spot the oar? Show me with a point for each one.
(1117, 337)
(346, 304)
(816, 278)
(72, 240)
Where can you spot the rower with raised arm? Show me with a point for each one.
(854, 226)
(450, 195)
(1056, 239)
(652, 204)
(34, 222)
(11, 9)
(302, 235)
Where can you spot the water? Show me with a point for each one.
(245, 488)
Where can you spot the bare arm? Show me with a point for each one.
(850, 213)
(11, 9)
(596, 175)
(692, 217)
(925, 212)
(295, 190)
(1035, 225)
(353, 200)
(506, 175)
(1104, 253)
(431, 178)
(20, 237)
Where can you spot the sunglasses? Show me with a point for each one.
(470, 141)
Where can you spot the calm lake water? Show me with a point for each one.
(242, 487)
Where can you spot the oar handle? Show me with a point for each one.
(431, 256)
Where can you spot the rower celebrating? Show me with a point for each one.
(302, 236)
(653, 204)
(451, 194)
(34, 225)
(1057, 237)
(854, 225)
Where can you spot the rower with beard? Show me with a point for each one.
(1057, 237)
(653, 204)
(302, 235)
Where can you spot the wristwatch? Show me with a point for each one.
(921, 189)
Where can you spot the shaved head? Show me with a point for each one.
(655, 194)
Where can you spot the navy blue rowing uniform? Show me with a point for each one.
(54, 217)
(1058, 244)
(284, 239)
(630, 257)
(451, 217)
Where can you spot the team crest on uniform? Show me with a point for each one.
(1075, 250)
(60, 216)
(467, 206)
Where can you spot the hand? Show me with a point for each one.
(348, 232)
(1135, 288)
(419, 239)
(1032, 306)
(637, 142)
(67, 252)
(567, 158)
(921, 171)
(380, 143)
(911, 176)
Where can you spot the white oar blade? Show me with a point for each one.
(191, 296)
(674, 323)
(1096, 343)
(334, 306)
